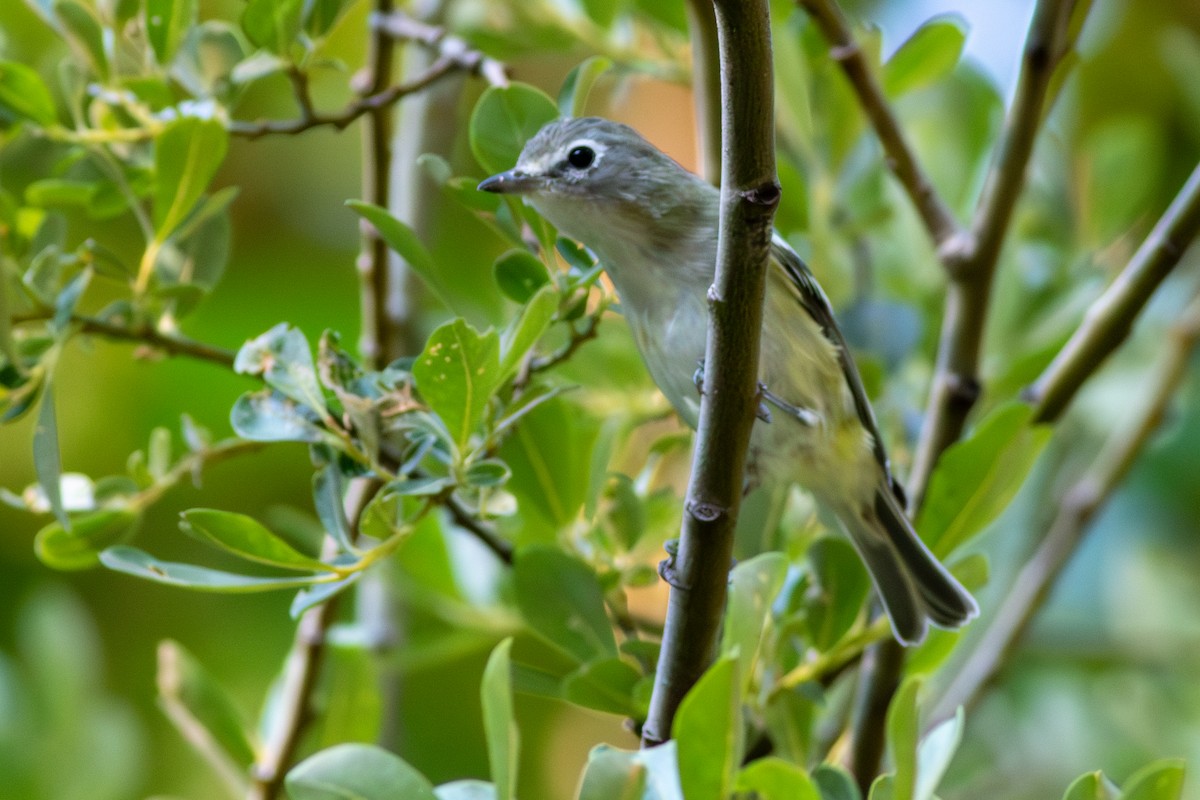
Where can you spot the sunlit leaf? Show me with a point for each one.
(934, 754)
(83, 31)
(572, 98)
(708, 731)
(1161, 780)
(903, 730)
(186, 156)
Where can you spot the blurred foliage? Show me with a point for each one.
(143, 194)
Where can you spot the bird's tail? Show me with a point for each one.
(913, 585)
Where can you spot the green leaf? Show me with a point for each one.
(926, 56)
(708, 732)
(753, 585)
(356, 772)
(499, 724)
(47, 461)
(934, 754)
(773, 778)
(572, 98)
(23, 95)
(61, 193)
(167, 22)
(315, 595)
(79, 547)
(1090, 786)
(503, 120)
(141, 564)
(186, 156)
(575, 622)
(604, 685)
(488, 473)
(121, 11)
(268, 416)
(320, 15)
(1161, 780)
(551, 483)
(327, 497)
(613, 774)
(835, 783)
(519, 274)
(401, 238)
(83, 30)
(284, 358)
(839, 585)
(456, 375)
(903, 730)
(977, 477)
(199, 705)
(246, 537)
(524, 331)
(273, 24)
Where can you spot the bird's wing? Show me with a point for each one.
(814, 301)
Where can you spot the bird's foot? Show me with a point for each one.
(807, 416)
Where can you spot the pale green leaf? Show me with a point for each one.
(245, 537)
(926, 56)
(356, 772)
(79, 546)
(708, 732)
(186, 156)
(23, 95)
(138, 563)
(499, 724)
(773, 778)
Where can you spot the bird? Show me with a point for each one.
(653, 226)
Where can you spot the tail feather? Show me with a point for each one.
(914, 586)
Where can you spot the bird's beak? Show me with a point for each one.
(512, 182)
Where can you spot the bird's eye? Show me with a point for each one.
(581, 157)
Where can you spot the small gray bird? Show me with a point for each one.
(653, 226)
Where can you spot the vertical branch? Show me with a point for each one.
(377, 329)
(706, 86)
(971, 267)
(1079, 506)
(292, 712)
(971, 264)
(749, 196)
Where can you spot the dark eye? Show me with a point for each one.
(581, 157)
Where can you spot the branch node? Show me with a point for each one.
(963, 390)
(705, 511)
(766, 195)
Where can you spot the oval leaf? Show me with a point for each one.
(519, 274)
(246, 537)
(80, 547)
(456, 374)
(357, 772)
(504, 119)
(23, 95)
(575, 622)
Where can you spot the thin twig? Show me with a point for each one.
(943, 228)
(170, 343)
(454, 56)
(956, 384)
(749, 196)
(292, 711)
(706, 87)
(1109, 319)
(1078, 507)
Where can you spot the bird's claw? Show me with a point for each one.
(806, 416)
